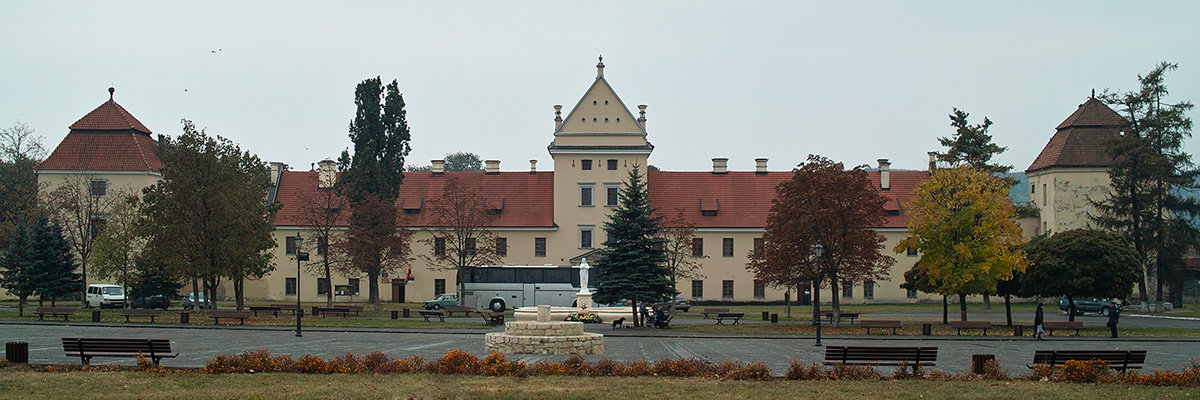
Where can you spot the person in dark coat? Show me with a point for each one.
(1113, 315)
(1039, 318)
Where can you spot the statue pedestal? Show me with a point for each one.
(583, 301)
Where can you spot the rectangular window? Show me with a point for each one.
(727, 247)
(912, 293)
(1043, 194)
(612, 165)
(289, 286)
(848, 290)
(612, 194)
(470, 247)
(911, 251)
(585, 237)
(98, 187)
(289, 244)
(439, 286)
(353, 282)
(321, 245)
(697, 247)
(760, 289)
(439, 246)
(868, 290)
(727, 289)
(586, 165)
(322, 286)
(1033, 188)
(502, 246)
(539, 247)
(585, 195)
(697, 288)
(758, 246)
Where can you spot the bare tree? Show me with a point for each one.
(117, 247)
(461, 240)
(20, 142)
(321, 214)
(80, 205)
(683, 260)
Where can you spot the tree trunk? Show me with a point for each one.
(374, 285)
(329, 281)
(1071, 308)
(787, 301)
(21, 305)
(945, 310)
(83, 272)
(195, 291)
(962, 306)
(239, 284)
(1008, 308)
(636, 314)
(987, 301)
(836, 319)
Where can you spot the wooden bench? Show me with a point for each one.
(427, 314)
(216, 316)
(888, 324)
(735, 316)
(849, 315)
(960, 325)
(863, 355)
(708, 311)
(357, 310)
(65, 312)
(1120, 360)
(335, 310)
(265, 309)
(492, 318)
(285, 307)
(1066, 325)
(86, 348)
(450, 310)
(140, 313)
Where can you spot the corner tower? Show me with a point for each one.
(594, 148)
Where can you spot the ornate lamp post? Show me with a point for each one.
(300, 256)
(818, 251)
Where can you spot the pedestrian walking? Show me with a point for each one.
(1039, 317)
(1113, 316)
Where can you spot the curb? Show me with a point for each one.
(1165, 317)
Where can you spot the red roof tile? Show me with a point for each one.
(104, 151)
(110, 116)
(527, 199)
(745, 197)
(1081, 139)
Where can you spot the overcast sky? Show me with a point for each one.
(854, 81)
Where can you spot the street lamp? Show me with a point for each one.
(818, 251)
(300, 256)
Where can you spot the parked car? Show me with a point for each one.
(1087, 304)
(156, 301)
(105, 296)
(441, 301)
(682, 304)
(192, 300)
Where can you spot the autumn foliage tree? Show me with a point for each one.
(964, 225)
(460, 239)
(678, 236)
(823, 203)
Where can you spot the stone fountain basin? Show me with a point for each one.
(606, 314)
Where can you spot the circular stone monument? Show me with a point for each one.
(544, 337)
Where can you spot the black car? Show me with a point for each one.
(156, 301)
(1087, 304)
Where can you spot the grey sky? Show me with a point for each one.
(851, 81)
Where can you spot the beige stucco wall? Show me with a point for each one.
(1064, 196)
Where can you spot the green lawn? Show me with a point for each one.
(370, 319)
(805, 312)
(912, 329)
(20, 383)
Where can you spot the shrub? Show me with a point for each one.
(992, 369)
(311, 364)
(413, 364)
(346, 364)
(377, 362)
(755, 371)
(638, 368)
(496, 364)
(854, 372)
(458, 362)
(805, 372)
(607, 367)
(683, 367)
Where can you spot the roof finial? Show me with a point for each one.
(600, 67)
(110, 93)
(1093, 93)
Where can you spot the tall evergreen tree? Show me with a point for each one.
(1149, 173)
(971, 145)
(371, 180)
(16, 273)
(51, 262)
(632, 265)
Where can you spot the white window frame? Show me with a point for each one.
(612, 186)
(591, 232)
(591, 196)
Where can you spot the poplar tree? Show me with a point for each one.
(371, 181)
(632, 265)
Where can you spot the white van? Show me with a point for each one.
(102, 295)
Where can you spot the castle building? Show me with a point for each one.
(557, 216)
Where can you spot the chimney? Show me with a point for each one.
(885, 174)
(720, 165)
(439, 167)
(760, 165)
(326, 174)
(557, 116)
(642, 118)
(532, 166)
(276, 168)
(932, 161)
(491, 166)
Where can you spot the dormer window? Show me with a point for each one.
(709, 207)
(412, 207)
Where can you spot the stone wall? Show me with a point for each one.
(532, 337)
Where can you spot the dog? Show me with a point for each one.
(619, 323)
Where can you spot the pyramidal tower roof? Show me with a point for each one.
(600, 112)
(1081, 140)
(107, 139)
(109, 116)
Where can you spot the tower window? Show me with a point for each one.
(585, 165)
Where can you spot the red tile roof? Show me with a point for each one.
(1081, 139)
(745, 197)
(527, 199)
(107, 139)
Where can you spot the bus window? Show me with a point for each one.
(501, 275)
(531, 275)
(558, 275)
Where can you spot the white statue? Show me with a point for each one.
(583, 277)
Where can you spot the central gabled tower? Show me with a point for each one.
(594, 148)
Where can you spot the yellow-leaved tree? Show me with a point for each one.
(964, 225)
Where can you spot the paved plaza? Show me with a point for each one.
(197, 345)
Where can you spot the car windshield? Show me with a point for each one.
(112, 290)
